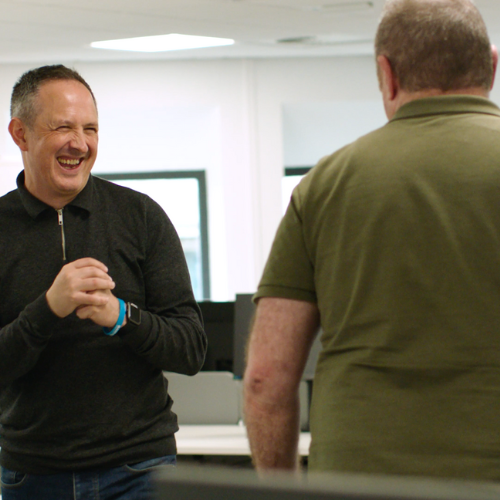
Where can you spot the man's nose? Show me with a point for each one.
(78, 141)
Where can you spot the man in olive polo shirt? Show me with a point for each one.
(392, 245)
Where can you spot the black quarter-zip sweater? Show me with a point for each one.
(72, 398)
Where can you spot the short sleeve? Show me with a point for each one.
(289, 272)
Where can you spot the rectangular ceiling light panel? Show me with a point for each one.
(162, 43)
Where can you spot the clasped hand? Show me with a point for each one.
(84, 286)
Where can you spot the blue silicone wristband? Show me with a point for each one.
(121, 316)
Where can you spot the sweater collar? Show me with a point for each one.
(447, 104)
(35, 207)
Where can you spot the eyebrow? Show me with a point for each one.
(70, 122)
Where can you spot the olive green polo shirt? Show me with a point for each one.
(396, 237)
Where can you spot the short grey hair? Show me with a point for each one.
(25, 91)
(435, 44)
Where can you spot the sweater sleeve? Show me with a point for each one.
(171, 335)
(23, 340)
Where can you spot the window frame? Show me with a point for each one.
(296, 171)
(200, 176)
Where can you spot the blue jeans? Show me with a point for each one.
(130, 482)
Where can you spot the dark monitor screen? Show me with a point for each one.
(244, 310)
(223, 483)
(218, 320)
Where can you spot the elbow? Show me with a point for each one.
(258, 385)
(194, 367)
(254, 390)
(255, 383)
(199, 352)
(268, 387)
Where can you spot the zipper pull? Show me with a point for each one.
(63, 238)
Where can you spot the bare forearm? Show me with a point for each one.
(277, 353)
(273, 433)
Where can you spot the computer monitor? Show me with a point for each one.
(244, 310)
(218, 320)
(223, 483)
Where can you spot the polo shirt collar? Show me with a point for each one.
(35, 207)
(447, 104)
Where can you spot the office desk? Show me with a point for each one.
(222, 440)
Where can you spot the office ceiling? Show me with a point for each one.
(47, 31)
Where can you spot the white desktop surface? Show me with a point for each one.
(222, 440)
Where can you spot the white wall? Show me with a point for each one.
(311, 130)
(228, 117)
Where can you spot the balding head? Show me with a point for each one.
(435, 44)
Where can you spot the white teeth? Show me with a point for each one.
(68, 162)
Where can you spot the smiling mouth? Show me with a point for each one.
(70, 163)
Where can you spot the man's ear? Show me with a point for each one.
(17, 130)
(388, 83)
(494, 53)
